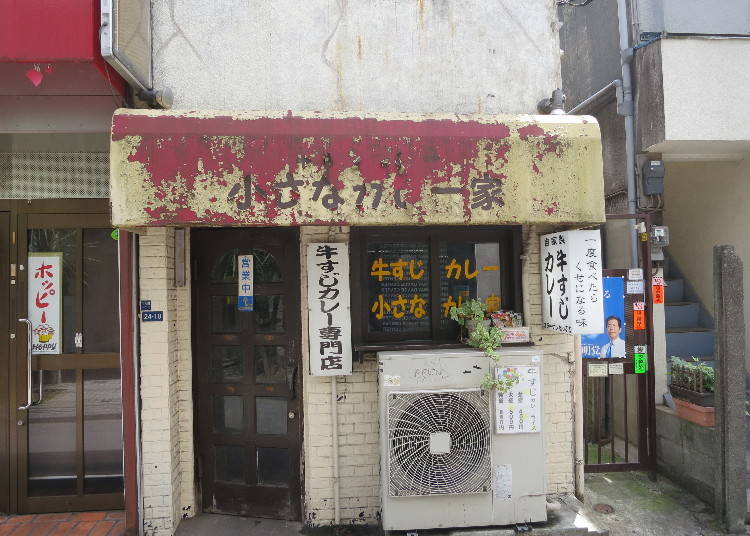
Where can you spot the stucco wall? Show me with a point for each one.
(461, 56)
(707, 205)
(705, 83)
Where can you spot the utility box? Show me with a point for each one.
(652, 177)
(453, 454)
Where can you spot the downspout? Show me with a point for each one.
(335, 444)
(578, 444)
(335, 429)
(626, 109)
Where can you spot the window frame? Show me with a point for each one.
(508, 236)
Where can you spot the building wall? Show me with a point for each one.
(706, 204)
(704, 89)
(359, 456)
(168, 442)
(462, 56)
(166, 390)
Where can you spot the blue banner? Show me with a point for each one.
(611, 343)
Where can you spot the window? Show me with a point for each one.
(405, 280)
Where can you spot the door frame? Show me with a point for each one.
(18, 501)
(297, 496)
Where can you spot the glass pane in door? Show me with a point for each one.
(102, 431)
(100, 292)
(52, 435)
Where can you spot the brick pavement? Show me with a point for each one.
(71, 523)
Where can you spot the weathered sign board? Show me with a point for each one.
(193, 168)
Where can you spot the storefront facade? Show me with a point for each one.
(234, 415)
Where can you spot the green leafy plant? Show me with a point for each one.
(485, 338)
(469, 310)
(695, 376)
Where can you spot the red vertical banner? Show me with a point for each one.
(657, 286)
(639, 315)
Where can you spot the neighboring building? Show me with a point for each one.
(690, 69)
(58, 263)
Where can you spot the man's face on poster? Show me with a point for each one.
(613, 329)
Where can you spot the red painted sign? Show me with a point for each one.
(196, 169)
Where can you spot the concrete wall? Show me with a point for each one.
(461, 56)
(693, 16)
(706, 204)
(589, 40)
(705, 82)
(686, 453)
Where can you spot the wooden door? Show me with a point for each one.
(248, 389)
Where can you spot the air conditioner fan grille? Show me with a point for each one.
(413, 417)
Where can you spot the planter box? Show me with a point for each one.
(699, 399)
(694, 413)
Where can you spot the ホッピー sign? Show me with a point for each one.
(45, 302)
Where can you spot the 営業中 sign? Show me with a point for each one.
(329, 320)
(572, 299)
(245, 282)
(45, 302)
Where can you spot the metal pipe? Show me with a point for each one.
(626, 110)
(335, 454)
(584, 103)
(578, 441)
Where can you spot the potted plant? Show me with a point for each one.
(469, 314)
(692, 389)
(483, 336)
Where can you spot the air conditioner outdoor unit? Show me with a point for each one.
(453, 454)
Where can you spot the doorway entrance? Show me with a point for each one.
(249, 424)
(62, 409)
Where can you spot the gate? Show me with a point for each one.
(618, 395)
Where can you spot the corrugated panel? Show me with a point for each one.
(54, 175)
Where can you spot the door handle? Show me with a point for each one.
(29, 401)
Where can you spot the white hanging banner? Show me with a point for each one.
(329, 319)
(572, 296)
(45, 302)
(245, 283)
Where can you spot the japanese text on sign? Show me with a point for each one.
(245, 283)
(45, 302)
(572, 299)
(329, 309)
(518, 410)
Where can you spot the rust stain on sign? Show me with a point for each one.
(186, 168)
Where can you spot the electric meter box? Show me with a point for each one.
(453, 454)
(652, 177)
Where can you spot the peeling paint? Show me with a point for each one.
(196, 168)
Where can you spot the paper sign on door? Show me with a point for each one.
(45, 302)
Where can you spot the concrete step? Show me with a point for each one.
(681, 314)
(687, 342)
(675, 290)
